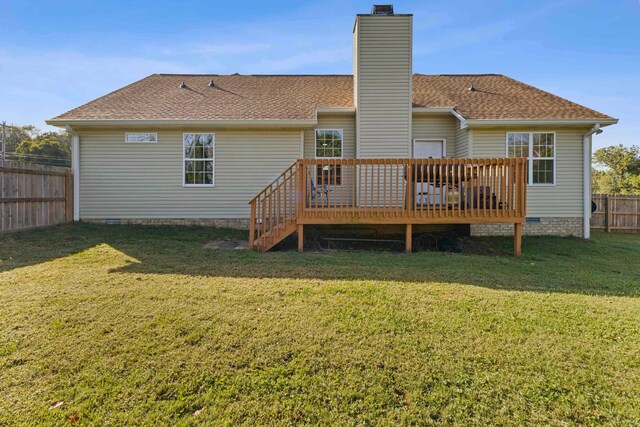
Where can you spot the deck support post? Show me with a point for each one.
(409, 238)
(517, 239)
(300, 238)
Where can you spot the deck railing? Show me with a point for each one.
(413, 190)
(391, 191)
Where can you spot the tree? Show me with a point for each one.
(620, 170)
(27, 143)
(15, 134)
(49, 147)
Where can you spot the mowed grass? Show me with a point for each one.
(142, 326)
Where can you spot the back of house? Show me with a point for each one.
(198, 148)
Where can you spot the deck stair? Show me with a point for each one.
(274, 236)
(273, 210)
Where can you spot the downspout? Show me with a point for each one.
(75, 170)
(586, 180)
(463, 120)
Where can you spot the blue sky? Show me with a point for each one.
(55, 55)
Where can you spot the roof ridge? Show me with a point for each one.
(459, 75)
(257, 75)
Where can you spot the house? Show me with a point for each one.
(273, 153)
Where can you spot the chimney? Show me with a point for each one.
(382, 9)
(382, 72)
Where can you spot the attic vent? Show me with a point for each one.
(212, 84)
(183, 85)
(472, 88)
(382, 9)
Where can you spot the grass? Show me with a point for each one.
(141, 326)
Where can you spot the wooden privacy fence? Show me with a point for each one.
(34, 195)
(616, 212)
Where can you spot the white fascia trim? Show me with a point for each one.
(586, 180)
(543, 122)
(161, 123)
(336, 110)
(437, 110)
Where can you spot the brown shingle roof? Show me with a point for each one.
(234, 97)
(295, 97)
(495, 97)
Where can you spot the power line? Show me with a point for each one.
(13, 153)
(38, 158)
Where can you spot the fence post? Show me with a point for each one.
(607, 213)
(68, 196)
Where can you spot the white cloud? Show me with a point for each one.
(215, 48)
(303, 59)
(42, 84)
(39, 86)
(466, 37)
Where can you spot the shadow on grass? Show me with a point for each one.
(607, 265)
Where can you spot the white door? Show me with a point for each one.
(427, 194)
(428, 149)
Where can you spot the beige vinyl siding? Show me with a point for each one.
(129, 181)
(462, 142)
(346, 122)
(437, 126)
(383, 79)
(565, 198)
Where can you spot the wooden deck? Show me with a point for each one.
(389, 191)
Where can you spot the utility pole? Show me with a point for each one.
(4, 140)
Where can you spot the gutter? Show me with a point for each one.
(167, 123)
(476, 123)
(539, 122)
(431, 109)
(335, 110)
(586, 179)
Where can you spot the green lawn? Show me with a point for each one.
(140, 325)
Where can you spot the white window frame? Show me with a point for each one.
(315, 149)
(530, 158)
(185, 159)
(126, 138)
(315, 143)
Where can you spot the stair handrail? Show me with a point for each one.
(268, 186)
(272, 212)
